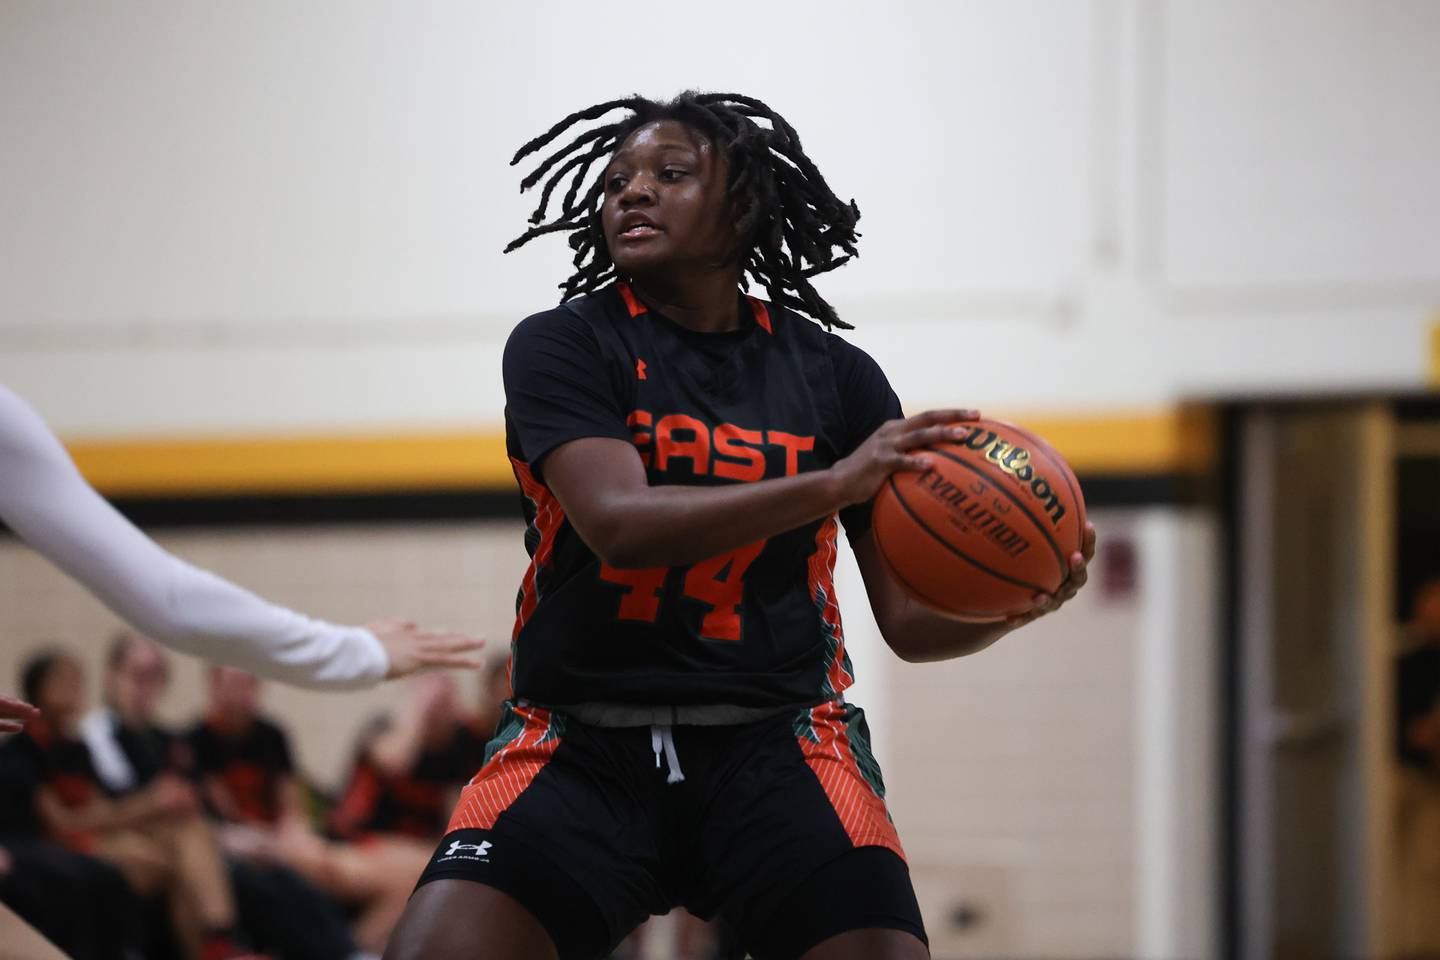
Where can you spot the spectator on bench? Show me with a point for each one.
(248, 779)
(154, 837)
(279, 911)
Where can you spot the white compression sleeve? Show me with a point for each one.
(48, 504)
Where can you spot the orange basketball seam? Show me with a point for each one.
(900, 499)
(925, 596)
(961, 461)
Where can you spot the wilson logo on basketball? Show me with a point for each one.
(1015, 460)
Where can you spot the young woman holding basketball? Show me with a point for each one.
(678, 733)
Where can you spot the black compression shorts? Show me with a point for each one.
(778, 828)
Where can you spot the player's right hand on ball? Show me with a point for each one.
(411, 648)
(896, 446)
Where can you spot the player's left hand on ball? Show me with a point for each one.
(1079, 574)
(410, 648)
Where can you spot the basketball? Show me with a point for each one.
(992, 523)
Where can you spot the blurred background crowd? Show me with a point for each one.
(155, 834)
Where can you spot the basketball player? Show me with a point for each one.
(678, 733)
(48, 504)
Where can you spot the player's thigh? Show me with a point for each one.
(869, 945)
(458, 919)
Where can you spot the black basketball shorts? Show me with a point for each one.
(777, 827)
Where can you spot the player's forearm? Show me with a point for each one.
(668, 526)
(921, 636)
(44, 499)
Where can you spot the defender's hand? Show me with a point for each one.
(411, 648)
(14, 714)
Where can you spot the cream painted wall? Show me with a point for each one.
(291, 215)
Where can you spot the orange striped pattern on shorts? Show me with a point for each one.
(529, 737)
(841, 760)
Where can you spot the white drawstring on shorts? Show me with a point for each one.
(662, 738)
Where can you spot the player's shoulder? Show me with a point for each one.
(788, 324)
(852, 364)
(571, 318)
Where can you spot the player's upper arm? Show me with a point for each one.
(591, 478)
(567, 409)
(866, 402)
(559, 386)
(888, 600)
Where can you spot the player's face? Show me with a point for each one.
(665, 208)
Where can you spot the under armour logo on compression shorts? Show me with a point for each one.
(480, 849)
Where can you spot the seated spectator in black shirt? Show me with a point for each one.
(279, 911)
(409, 768)
(249, 780)
(154, 836)
(49, 885)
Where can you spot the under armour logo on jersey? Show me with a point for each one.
(481, 849)
(640, 370)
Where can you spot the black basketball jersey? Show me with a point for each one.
(756, 627)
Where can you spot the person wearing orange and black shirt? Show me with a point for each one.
(249, 781)
(154, 836)
(278, 910)
(46, 883)
(241, 759)
(409, 768)
(687, 455)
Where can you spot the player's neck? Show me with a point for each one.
(706, 303)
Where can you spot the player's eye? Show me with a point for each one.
(616, 182)
(672, 173)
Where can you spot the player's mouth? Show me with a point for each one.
(637, 226)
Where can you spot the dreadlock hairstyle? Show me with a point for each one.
(792, 228)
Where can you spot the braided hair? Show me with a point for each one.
(792, 227)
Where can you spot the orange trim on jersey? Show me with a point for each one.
(548, 517)
(632, 302)
(860, 809)
(507, 775)
(757, 307)
(762, 315)
(821, 583)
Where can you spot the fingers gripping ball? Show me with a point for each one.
(992, 523)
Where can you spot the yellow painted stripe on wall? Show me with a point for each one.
(1435, 351)
(1156, 442)
(1183, 440)
(299, 464)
